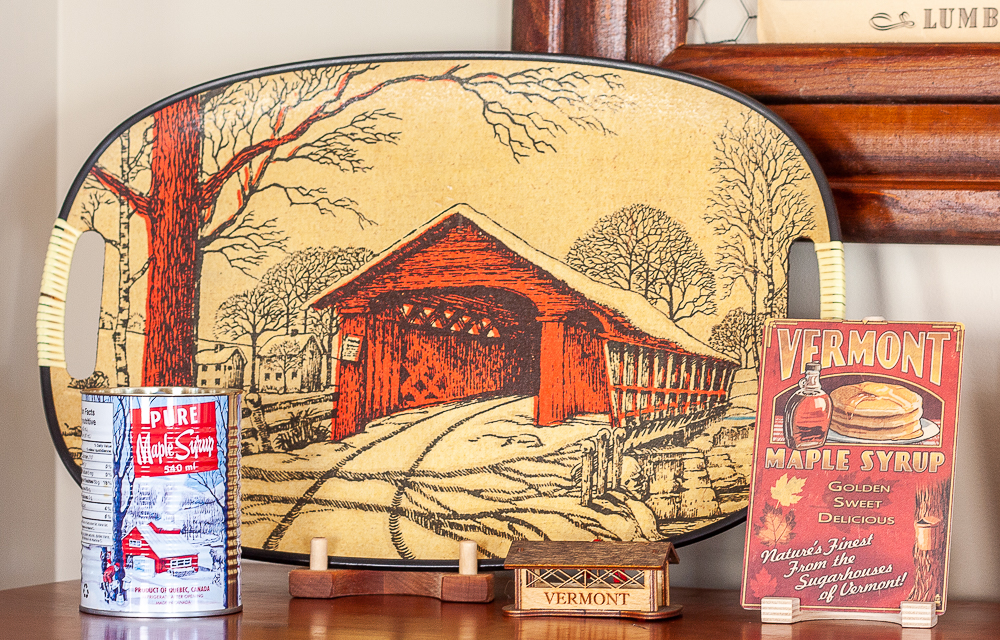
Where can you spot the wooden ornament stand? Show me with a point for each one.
(920, 615)
(336, 583)
(319, 582)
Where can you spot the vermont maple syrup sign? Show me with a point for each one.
(852, 485)
(487, 297)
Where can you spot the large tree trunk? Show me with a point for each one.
(174, 205)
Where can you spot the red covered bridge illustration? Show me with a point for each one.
(462, 307)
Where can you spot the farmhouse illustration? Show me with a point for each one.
(462, 307)
(291, 363)
(149, 546)
(221, 367)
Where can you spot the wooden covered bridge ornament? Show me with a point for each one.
(487, 297)
(604, 579)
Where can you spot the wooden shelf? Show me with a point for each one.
(906, 133)
(859, 73)
(51, 611)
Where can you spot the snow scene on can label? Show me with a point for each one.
(155, 506)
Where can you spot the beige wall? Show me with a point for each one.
(88, 66)
(27, 206)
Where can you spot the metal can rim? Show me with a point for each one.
(204, 613)
(161, 391)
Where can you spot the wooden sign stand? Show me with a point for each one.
(319, 582)
(920, 615)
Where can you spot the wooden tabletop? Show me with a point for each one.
(51, 611)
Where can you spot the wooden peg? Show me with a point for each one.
(468, 562)
(318, 557)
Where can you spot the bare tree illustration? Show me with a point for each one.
(133, 164)
(738, 336)
(316, 268)
(325, 323)
(279, 301)
(281, 284)
(211, 484)
(758, 207)
(642, 249)
(250, 314)
(306, 273)
(215, 155)
(331, 265)
(285, 354)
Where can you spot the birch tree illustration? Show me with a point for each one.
(215, 154)
(124, 472)
(758, 206)
(642, 249)
(212, 483)
(133, 165)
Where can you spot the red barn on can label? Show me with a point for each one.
(161, 502)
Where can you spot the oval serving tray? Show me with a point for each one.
(468, 295)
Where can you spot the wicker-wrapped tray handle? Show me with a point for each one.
(51, 319)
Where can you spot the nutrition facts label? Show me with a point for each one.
(98, 473)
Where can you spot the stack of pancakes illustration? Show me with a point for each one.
(876, 411)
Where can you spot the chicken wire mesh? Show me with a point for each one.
(722, 21)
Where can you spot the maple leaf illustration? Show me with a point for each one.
(774, 526)
(786, 490)
(763, 584)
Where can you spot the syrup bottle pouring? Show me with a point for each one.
(808, 412)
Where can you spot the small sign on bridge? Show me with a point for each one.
(351, 347)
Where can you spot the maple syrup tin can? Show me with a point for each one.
(161, 502)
